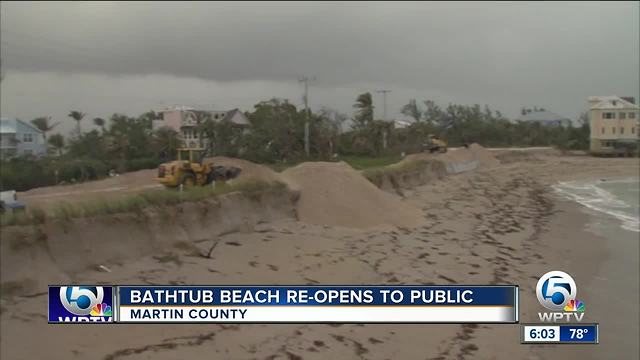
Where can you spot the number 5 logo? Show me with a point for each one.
(79, 300)
(555, 289)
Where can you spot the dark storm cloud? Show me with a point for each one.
(504, 54)
(408, 43)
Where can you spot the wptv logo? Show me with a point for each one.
(80, 304)
(556, 291)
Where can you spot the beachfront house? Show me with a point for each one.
(185, 120)
(19, 138)
(545, 118)
(614, 125)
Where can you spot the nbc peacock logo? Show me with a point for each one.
(101, 310)
(574, 306)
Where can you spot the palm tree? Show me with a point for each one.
(117, 141)
(57, 141)
(42, 123)
(99, 123)
(77, 116)
(364, 114)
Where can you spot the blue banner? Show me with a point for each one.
(81, 304)
(318, 295)
(579, 333)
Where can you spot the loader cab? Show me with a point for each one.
(191, 155)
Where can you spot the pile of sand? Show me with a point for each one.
(459, 156)
(484, 156)
(108, 189)
(250, 171)
(336, 194)
(125, 181)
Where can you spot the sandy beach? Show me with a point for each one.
(500, 224)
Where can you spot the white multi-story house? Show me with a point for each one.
(184, 120)
(19, 138)
(614, 123)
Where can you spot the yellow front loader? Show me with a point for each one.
(189, 170)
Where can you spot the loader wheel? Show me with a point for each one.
(188, 181)
(210, 178)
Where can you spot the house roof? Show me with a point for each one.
(190, 108)
(230, 114)
(610, 102)
(10, 126)
(402, 123)
(7, 126)
(543, 116)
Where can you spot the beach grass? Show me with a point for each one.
(134, 203)
(374, 174)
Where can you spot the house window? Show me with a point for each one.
(632, 115)
(603, 130)
(613, 130)
(633, 130)
(622, 115)
(216, 116)
(27, 138)
(621, 130)
(609, 115)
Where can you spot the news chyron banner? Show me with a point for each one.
(283, 304)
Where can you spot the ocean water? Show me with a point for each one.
(618, 198)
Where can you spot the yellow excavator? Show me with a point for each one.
(189, 170)
(435, 144)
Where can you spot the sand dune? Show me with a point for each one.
(336, 194)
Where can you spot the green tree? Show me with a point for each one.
(58, 143)
(89, 145)
(220, 137)
(77, 116)
(364, 112)
(146, 119)
(326, 127)
(128, 138)
(277, 132)
(99, 122)
(412, 110)
(43, 124)
(433, 114)
(166, 141)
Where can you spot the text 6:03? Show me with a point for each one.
(542, 334)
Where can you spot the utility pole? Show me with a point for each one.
(306, 80)
(384, 116)
(384, 102)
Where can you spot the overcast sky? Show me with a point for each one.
(102, 58)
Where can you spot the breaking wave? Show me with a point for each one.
(615, 197)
